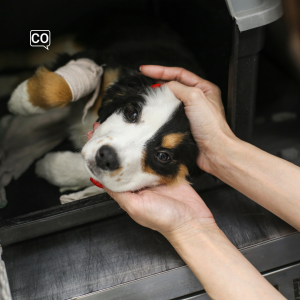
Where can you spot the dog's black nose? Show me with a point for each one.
(107, 159)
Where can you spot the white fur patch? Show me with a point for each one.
(128, 140)
(63, 169)
(19, 102)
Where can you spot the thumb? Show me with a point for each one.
(190, 96)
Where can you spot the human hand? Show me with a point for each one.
(176, 212)
(90, 133)
(203, 107)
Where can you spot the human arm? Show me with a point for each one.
(183, 218)
(266, 179)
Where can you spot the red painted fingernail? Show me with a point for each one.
(96, 183)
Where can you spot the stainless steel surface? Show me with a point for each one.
(202, 296)
(58, 218)
(271, 253)
(251, 14)
(283, 279)
(116, 258)
(166, 285)
(278, 252)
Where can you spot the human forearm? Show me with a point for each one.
(223, 271)
(266, 179)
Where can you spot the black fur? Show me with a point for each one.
(128, 89)
(132, 85)
(185, 153)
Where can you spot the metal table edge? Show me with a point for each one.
(26, 230)
(154, 286)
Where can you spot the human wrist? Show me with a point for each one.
(193, 230)
(216, 155)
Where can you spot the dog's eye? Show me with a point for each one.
(131, 115)
(163, 157)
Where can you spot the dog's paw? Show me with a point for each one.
(63, 169)
(88, 192)
(19, 103)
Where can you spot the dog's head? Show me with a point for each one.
(144, 138)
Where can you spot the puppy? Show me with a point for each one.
(144, 138)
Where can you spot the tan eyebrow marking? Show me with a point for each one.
(178, 179)
(172, 140)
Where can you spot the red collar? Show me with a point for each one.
(96, 183)
(156, 85)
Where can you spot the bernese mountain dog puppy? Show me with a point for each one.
(144, 137)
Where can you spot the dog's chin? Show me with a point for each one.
(119, 188)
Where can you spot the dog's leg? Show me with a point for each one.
(64, 169)
(43, 91)
(87, 192)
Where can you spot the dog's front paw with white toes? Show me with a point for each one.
(19, 103)
(63, 169)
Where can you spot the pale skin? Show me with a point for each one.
(180, 214)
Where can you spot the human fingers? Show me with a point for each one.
(147, 209)
(90, 133)
(190, 96)
(96, 125)
(177, 192)
(126, 200)
(179, 74)
(153, 210)
(183, 193)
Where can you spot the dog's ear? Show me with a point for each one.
(46, 89)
